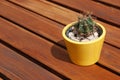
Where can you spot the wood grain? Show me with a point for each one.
(109, 13)
(50, 54)
(1, 79)
(99, 10)
(49, 10)
(24, 17)
(39, 24)
(113, 2)
(17, 67)
(9, 74)
(109, 57)
(28, 16)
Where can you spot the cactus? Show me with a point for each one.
(85, 26)
(85, 29)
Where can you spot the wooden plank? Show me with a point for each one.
(9, 74)
(17, 67)
(50, 54)
(113, 2)
(99, 10)
(1, 79)
(15, 12)
(40, 6)
(109, 57)
(54, 9)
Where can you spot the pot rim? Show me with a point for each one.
(89, 42)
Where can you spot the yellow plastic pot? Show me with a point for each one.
(84, 53)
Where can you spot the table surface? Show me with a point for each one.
(32, 47)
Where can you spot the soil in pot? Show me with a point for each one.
(72, 34)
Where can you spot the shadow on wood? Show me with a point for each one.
(60, 53)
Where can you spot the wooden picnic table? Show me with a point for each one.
(32, 46)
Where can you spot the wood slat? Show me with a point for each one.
(99, 10)
(50, 54)
(60, 15)
(109, 57)
(56, 37)
(48, 10)
(113, 2)
(1, 79)
(17, 67)
(9, 74)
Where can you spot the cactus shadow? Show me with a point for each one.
(60, 53)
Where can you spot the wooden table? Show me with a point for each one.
(32, 47)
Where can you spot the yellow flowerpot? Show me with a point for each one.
(84, 53)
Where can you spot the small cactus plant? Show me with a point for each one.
(85, 26)
(84, 29)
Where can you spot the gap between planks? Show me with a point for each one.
(110, 3)
(49, 43)
(18, 67)
(34, 60)
(51, 40)
(3, 77)
(39, 63)
(113, 41)
(108, 21)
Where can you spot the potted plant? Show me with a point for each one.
(84, 39)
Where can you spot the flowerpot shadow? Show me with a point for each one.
(60, 53)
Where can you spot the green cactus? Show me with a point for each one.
(85, 26)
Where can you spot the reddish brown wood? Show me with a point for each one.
(9, 74)
(17, 67)
(110, 60)
(47, 26)
(14, 11)
(50, 54)
(99, 10)
(113, 2)
(24, 18)
(52, 11)
(1, 79)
